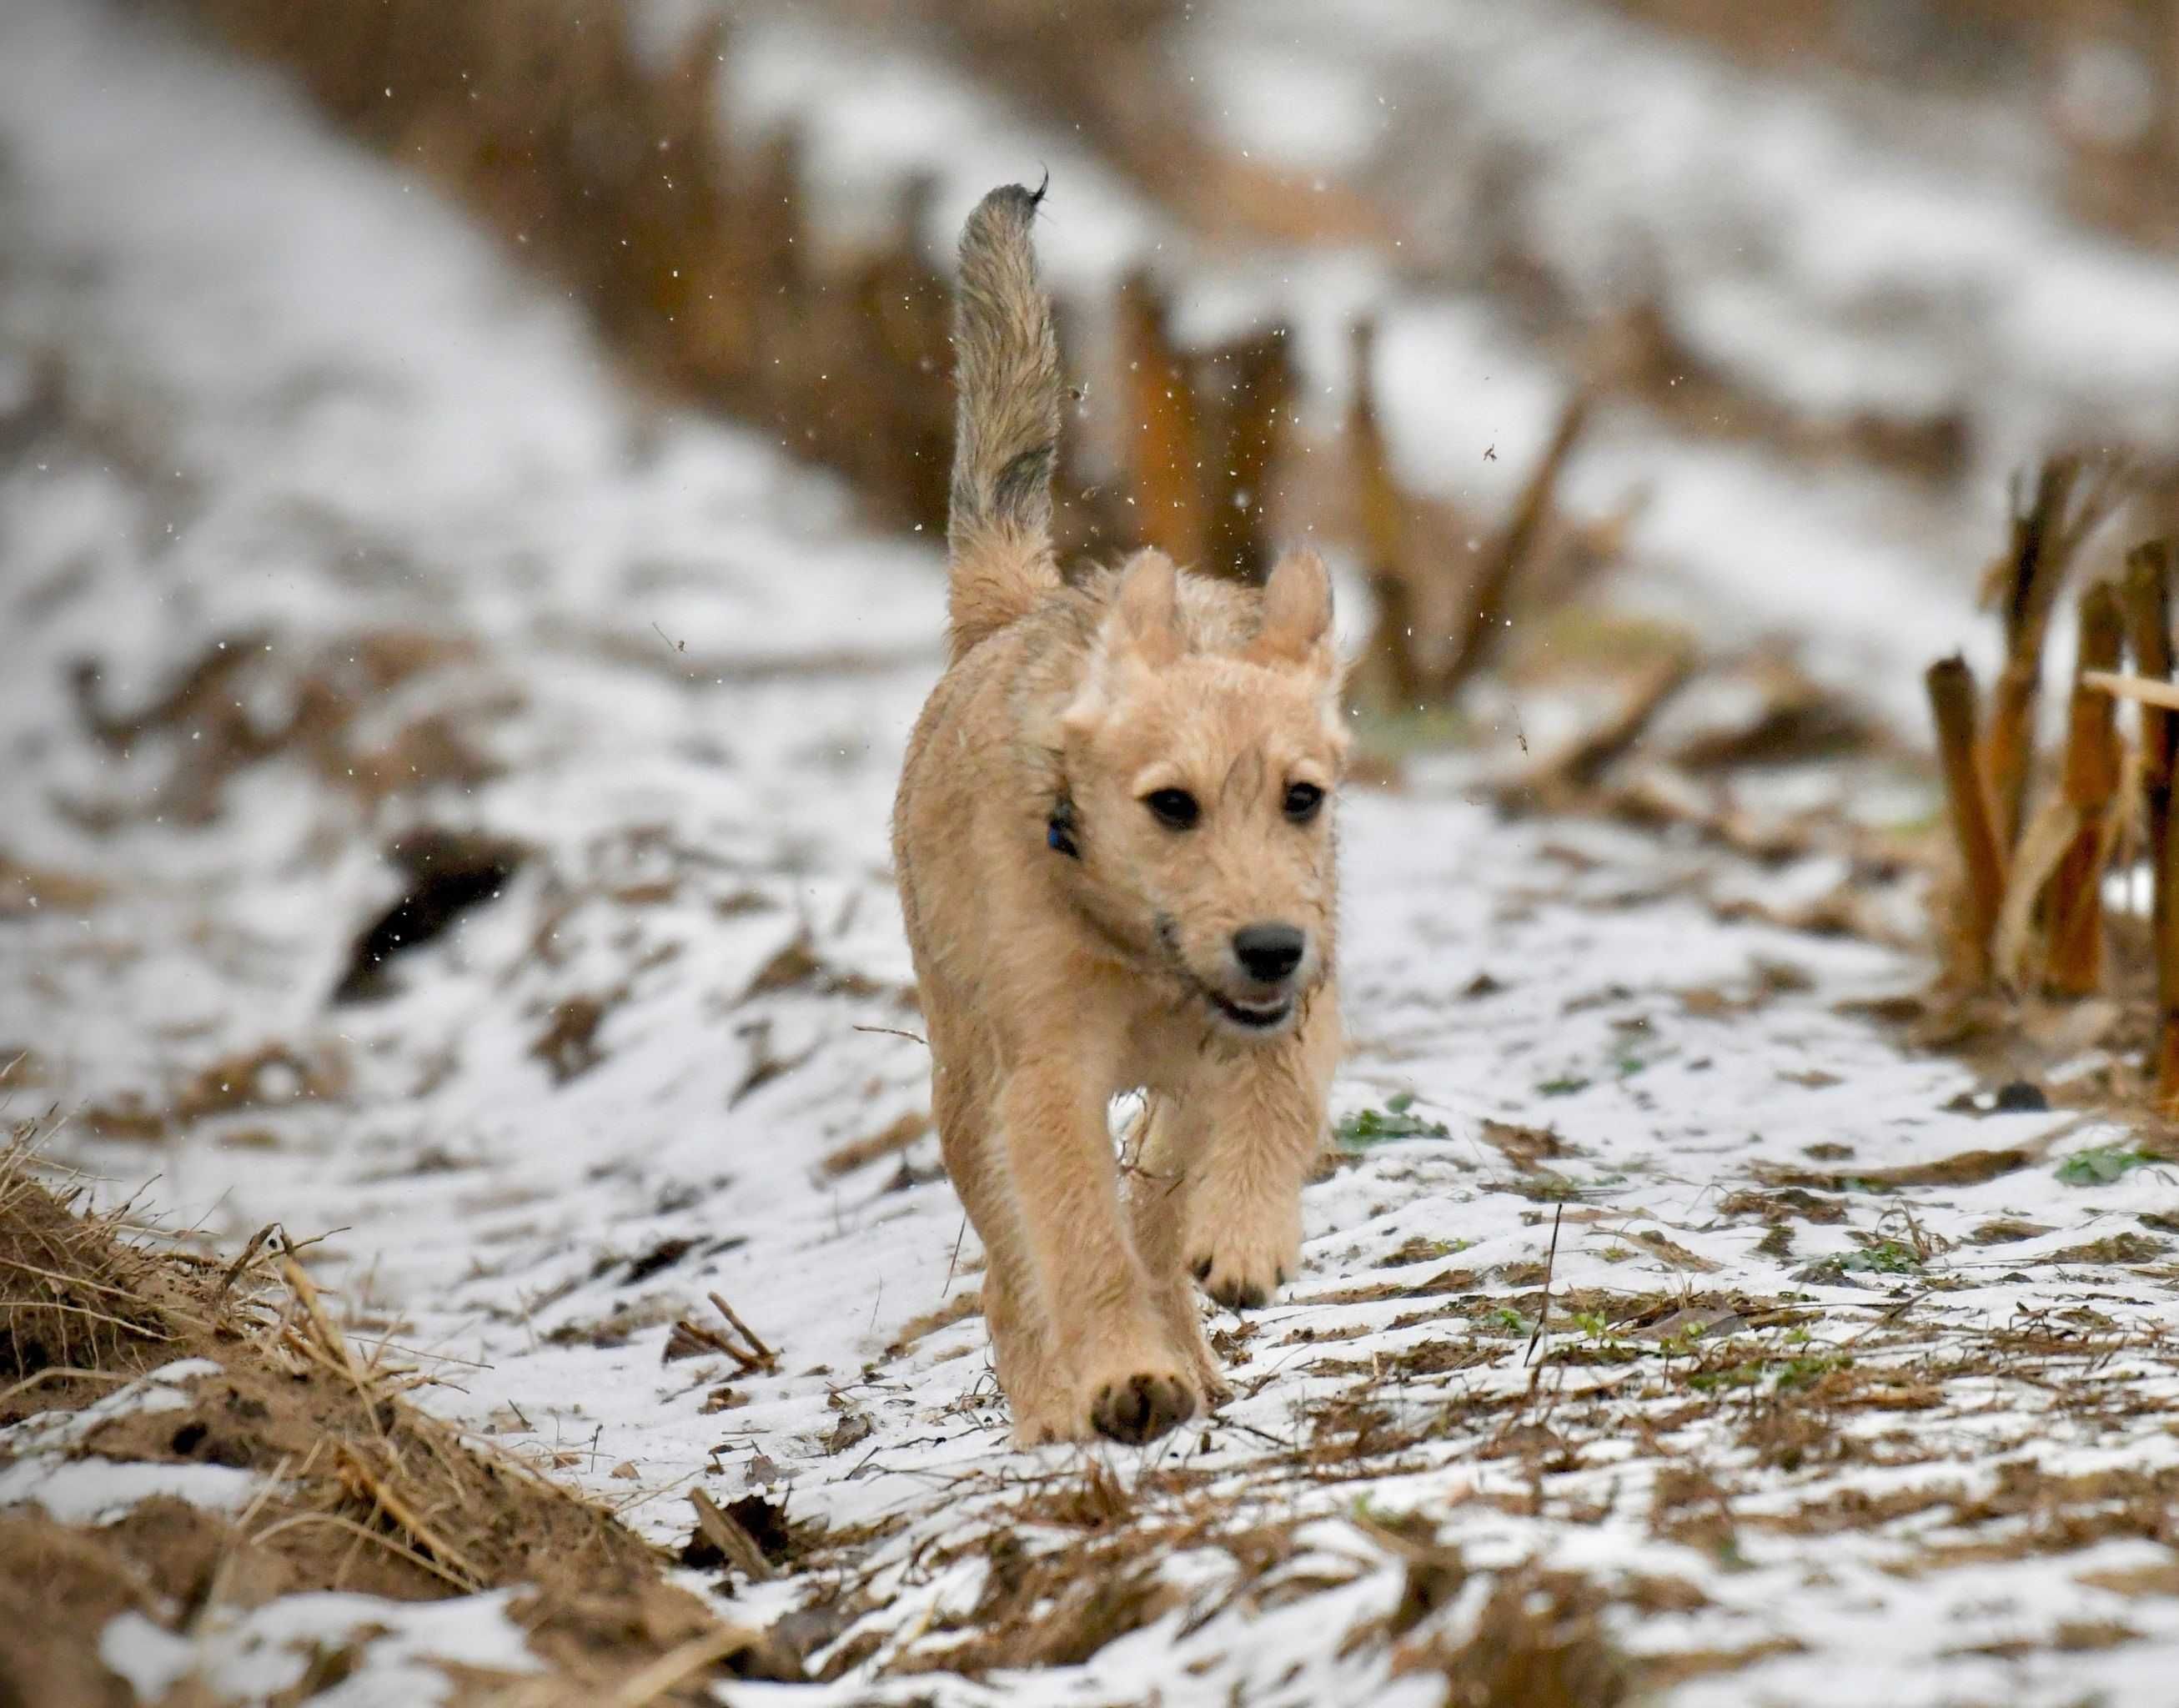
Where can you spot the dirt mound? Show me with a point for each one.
(359, 1490)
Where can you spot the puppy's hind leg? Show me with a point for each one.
(1264, 1104)
(1022, 1346)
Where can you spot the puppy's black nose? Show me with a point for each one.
(1268, 952)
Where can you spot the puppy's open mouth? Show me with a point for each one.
(1267, 1016)
(1256, 1017)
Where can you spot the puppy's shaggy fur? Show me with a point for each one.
(1114, 841)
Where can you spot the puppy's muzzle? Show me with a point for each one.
(1268, 954)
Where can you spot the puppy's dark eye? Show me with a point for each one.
(1302, 800)
(1173, 808)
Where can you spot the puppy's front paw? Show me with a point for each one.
(1242, 1264)
(1239, 1287)
(1142, 1406)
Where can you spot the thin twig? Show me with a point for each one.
(1543, 1312)
(688, 1339)
(305, 1291)
(135, 1328)
(84, 1282)
(56, 1372)
(234, 1270)
(959, 1234)
(747, 1333)
(895, 1032)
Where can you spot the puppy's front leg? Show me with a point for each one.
(1168, 1140)
(1264, 1104)
(1128, 1382)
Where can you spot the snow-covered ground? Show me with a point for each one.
(1845, 247)
(1810, 1431)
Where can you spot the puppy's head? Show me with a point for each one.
(1203, 780)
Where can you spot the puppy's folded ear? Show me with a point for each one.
(1297, 624)
(1146, 621)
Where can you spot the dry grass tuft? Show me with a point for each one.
(360, 1489)
(1539, 1642)
(79, 1310)
(202, 728)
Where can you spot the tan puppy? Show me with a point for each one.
(1114, 841)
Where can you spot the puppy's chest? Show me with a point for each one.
(1167, 1047)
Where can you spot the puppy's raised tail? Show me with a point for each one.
(1006, 435)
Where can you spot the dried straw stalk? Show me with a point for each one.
(2147, 596)
(1379, 519)
(1953, 706)
(2092, 762)
(1514, 545)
